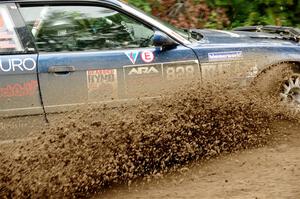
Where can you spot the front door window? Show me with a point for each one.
(84, 28)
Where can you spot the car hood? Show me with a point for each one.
(230, 37)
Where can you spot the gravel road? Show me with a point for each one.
(272, 171)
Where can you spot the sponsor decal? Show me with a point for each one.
(222, 56)
(19, 90)
(147, 56)
(16, 64)
(143, 70)
(133, 55)
(102, 84)
(210, 70)
(233, 68)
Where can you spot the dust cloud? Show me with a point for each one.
(88, 150)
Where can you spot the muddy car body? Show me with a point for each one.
(57, 55)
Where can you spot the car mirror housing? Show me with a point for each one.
(163, 41)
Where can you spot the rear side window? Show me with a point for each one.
(9, 39)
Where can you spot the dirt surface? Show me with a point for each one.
(272, 171)
(87, 151)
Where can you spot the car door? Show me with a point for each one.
(19, 93)
(97, 52)
(19, 89)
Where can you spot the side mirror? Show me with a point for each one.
(162, 40)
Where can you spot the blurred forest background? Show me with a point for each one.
(223, 14)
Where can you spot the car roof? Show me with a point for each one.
(116, 2)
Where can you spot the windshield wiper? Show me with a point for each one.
(193, 34)
(189, 33)
(285, 32)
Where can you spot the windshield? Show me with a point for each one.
(179, 34)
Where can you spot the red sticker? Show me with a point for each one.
(19, 89)
(147, 56)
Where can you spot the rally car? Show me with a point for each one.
(61, 54)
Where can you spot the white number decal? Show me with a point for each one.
(180, 72)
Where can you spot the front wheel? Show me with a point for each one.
(290, 91)
(282, 82)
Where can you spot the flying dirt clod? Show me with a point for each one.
(101, 146)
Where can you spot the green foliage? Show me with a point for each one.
(226, 13)
(260, 12)
(142, 4)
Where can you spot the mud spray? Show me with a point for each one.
(91, 149)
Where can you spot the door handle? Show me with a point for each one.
(61, 69)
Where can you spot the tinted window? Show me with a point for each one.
(80, 28)
(9, 39)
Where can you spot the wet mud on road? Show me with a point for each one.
(84, 153)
